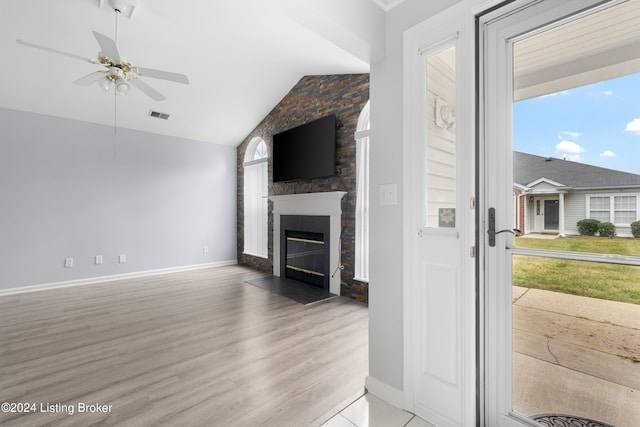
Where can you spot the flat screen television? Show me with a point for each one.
(305, 152)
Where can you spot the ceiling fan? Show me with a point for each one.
(118, 74)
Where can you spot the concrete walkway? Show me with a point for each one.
(576, 356)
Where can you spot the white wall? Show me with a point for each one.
(64, 193)
(357, 26)
(386, 262)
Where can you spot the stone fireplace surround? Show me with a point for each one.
(316, 204)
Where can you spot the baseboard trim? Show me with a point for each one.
(102, 279)
(385, 392)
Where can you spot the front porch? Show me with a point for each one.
(540, 211)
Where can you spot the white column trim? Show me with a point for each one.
(561, 219)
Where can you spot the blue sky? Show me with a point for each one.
(598, 124)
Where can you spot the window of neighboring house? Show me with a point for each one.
(361, 270)
(620, 210)
(256, 188)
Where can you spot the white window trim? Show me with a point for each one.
(261, 225)
(361, 267)
(253, 162)
(611, 209)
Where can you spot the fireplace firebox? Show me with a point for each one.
(304, 245)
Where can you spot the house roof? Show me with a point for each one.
(528, 168)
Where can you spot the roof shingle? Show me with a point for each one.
(528, 168)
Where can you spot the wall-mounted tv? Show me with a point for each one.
(305, 152)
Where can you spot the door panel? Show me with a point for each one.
(438, 388)
(439, 224)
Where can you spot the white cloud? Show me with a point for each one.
(607, 153)
(633, 126)
(572, 157)
(569, 147)
(607, 92)
(573, 135)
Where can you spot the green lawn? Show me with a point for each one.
(597, 280)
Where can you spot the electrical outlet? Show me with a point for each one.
(122, 259)
(98, 259)
(68, 262)
(205, 250)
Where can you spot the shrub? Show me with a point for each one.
(588, 227)
(606, 229)
(635, 228)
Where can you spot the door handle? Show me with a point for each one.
(492, 228)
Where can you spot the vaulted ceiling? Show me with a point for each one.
(241, 58)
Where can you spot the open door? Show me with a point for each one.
(439, 290)
(543, 365)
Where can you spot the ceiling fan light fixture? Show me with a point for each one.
(122, 86)
(106, 83)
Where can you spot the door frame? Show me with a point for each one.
(539, 220)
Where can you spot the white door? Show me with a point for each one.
(500, 32)
(439, 287)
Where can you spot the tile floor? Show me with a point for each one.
(370, 411)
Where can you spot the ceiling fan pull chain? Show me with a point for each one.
(115, 123)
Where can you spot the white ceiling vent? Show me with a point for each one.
(159, 115)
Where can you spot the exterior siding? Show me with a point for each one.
(441, 143)
(574, 211)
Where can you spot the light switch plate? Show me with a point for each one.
(388, 194)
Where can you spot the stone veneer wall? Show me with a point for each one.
(311, 98)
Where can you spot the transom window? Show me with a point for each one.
(260, 151)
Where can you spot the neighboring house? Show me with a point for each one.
(551, 195)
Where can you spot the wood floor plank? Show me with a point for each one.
(190, 348)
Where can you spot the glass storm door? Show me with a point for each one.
(559, 347)
(551, 214)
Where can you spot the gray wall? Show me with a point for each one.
(73, 189)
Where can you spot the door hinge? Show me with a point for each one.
(472, 252)
(472, 205)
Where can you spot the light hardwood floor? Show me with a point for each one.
(180, 349)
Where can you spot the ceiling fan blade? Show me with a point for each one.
(48, 49)
(90, 78)
(148, 90)
(107, 45)
(164, 75)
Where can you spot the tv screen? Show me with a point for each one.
(305, 152)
